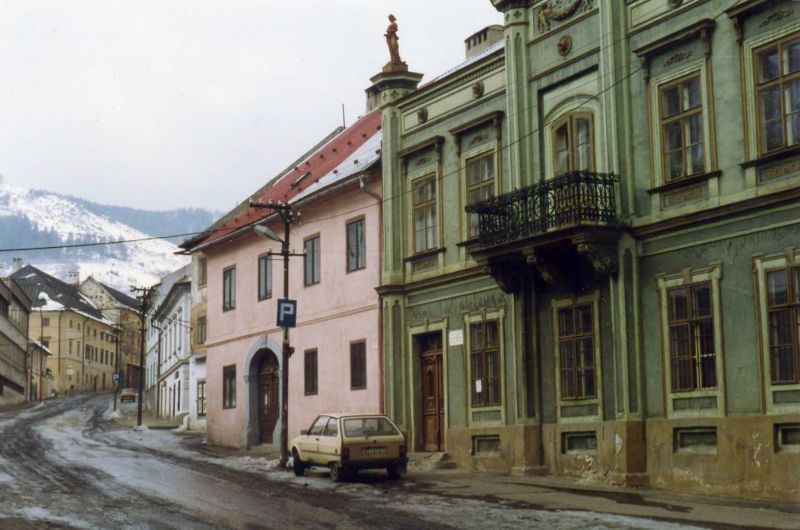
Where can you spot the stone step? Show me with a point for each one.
(423, 461)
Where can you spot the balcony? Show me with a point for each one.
(547, 226)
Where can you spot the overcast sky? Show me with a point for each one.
(161, 104)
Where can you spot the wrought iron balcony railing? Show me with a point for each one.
(576, 198)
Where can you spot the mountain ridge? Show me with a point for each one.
(38, 218)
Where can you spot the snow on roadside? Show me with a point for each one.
(471, 513)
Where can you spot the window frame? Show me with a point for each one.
(691, 321)
(201, 399)
(202, 271)
(311, 377)
(569, 120)
(229, 387)
(229, 288)
(353, 382)
(264, 283)
(361, 251)
(202, 330)
(492, 386)
(780, 81)
(792, 307)
(315, 260)
(682, 117)
(471, 232)
(426, 205)
(593, 300)
(687, 279)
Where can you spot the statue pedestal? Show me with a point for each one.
(392, 83)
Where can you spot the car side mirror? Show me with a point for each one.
(304, 431)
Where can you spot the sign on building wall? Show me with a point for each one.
(455, 337)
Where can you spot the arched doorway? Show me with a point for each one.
(267, 397)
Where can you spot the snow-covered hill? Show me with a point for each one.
(30, 218)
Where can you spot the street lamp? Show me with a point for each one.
(289, 217)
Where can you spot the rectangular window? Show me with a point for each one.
(778, 94)
(46, 343)
(229, 289)
(356, 246)
(201, 398)
(264, 277)
(202, 271)
(693, 356)
(783, 305)
(310, 371)
(480, 185)
(424, 213)
(45, 322)
(201, 330)
(311, 260)
(682, 128)
(358, 365)
(484, 347)
(229, 387)
(576, 352)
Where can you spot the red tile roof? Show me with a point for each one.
(318, 164)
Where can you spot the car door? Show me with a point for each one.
(329, 445)
(309, 443)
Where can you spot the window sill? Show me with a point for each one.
(351, 271)
(424, 254)
(226, 309)
(265, 298)
(469, 242)
(786, 152)
(685, 181)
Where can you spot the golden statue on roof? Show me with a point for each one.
(392, 42)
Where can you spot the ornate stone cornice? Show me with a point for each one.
(505, 5)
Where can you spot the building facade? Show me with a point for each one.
(16, 356)
(627, 186)
(78, 335)
(123, 311)
(332, 273)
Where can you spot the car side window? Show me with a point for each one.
(332, 429)
(318, 426)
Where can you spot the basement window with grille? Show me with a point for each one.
(787, 437)
(579, 442)
(702, 440)
(486, 445)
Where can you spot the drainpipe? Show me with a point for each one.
(60, 314)
(381, 389)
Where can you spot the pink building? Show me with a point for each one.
(336, 363)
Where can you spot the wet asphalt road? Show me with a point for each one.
(60, 467)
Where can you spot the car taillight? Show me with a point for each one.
(403, 451)
(345, 454)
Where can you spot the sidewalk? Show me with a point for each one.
(562, 493)
(554, 493)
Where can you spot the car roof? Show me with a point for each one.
(353, 414)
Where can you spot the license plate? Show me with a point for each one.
(373, 451)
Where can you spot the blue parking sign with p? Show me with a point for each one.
(287, 312)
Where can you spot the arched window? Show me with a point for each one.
(573, 144)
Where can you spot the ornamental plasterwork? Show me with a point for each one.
(553, 13)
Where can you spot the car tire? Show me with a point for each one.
(298, 465)
(338, 473)
(395, 471)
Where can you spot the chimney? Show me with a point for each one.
(481, 40)
(16, 264)
(74, 278)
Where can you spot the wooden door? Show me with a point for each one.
(267, 398)
(432, 393)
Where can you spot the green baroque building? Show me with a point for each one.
(592, 245)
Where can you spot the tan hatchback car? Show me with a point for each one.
(347, 443)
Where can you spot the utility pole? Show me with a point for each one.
(289, 217)
(144, 296)
(117, 333)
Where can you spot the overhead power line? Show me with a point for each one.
(77, 245)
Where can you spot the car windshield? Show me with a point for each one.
(369, 426)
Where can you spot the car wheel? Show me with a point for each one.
(395, 471)
(338, 473)
(298, 465)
